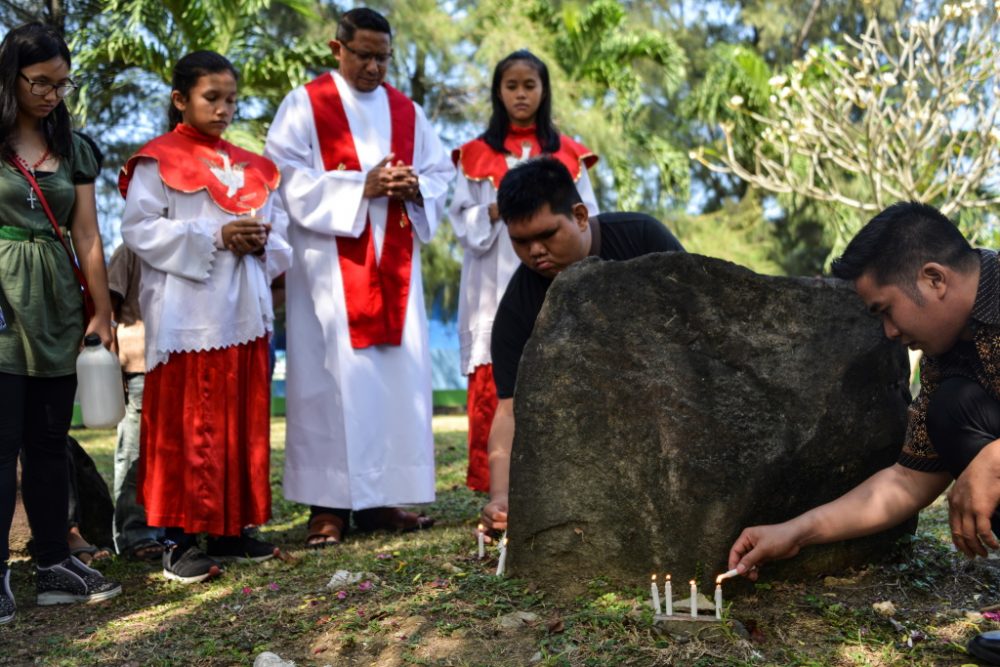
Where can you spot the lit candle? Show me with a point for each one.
(694, 599)
(654, 592)
(727, 575)
(482, 542)
(718, 601)
(668, 594)
(503, 556)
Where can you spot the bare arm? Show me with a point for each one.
(885, 499)
(90, 252)
(499, 447)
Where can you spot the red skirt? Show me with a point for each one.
(481, 406)
(204, 462)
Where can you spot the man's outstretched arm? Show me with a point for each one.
(499, 447)
(885, 499)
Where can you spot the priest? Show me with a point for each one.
(364, 177)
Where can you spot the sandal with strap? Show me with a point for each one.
(146, 550)
(325, 530)
(393, 519)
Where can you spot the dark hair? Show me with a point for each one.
(545, 130)
(534, 183)
(901, 239)
(188, 70)
(361, 18)
(26, 45)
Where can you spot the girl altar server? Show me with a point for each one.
(520, 127)
(198, 214)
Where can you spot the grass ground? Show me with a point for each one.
(425, 600)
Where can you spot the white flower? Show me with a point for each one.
(736, 101)
(780, 80)
(959, 99)
(889, 79)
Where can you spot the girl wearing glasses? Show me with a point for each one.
(41, 309)
(195, 212)
(520, 127)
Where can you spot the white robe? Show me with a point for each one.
(488, 262)
(193, 295)
(359, 420)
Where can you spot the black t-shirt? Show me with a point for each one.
(622, 236)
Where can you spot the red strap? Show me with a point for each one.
(376, 292)
(87, 300)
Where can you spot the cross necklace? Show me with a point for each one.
(31, 198)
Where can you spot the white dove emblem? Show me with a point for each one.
(229, 174)
(513, 161)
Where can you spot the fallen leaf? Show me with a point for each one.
(555, 626)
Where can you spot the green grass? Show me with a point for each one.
(430, 602)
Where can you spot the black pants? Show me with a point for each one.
(962, 418)
(35, 415)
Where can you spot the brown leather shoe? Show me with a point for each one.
(392, 519)
(325, 530)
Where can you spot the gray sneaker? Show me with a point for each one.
(72, 581)
(7, 607)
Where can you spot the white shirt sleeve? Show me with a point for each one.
(277, 252)
(434, 170)
(470, 215)
(184, 248)
(326, 202)
(586, 190)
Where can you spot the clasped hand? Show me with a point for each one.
(397, 181)
(244, 236)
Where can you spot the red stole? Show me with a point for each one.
(376, 292)
(237, 180)
(480, 162)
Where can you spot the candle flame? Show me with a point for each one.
(692, 582)
(727, 575)
(504, 543)
(654, 577)
(481, 527)
(668, 577)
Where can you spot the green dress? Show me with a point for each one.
(39, 295)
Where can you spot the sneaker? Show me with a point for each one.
(245, 548)
(7, 607)
(188, 566)
(72, 581)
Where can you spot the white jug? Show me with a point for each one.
(102, 394)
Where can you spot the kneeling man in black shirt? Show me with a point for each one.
(550, 230)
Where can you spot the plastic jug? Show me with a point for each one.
(102, 394)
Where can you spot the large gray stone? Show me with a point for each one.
(665, 403)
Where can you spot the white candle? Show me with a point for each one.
(668, 594)
(718, 601)
(654, 593)
(727, 575)
(503, 556)
(694, 599)
(482, 542)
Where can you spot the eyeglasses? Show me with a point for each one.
(41, 88)
(381, 59)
